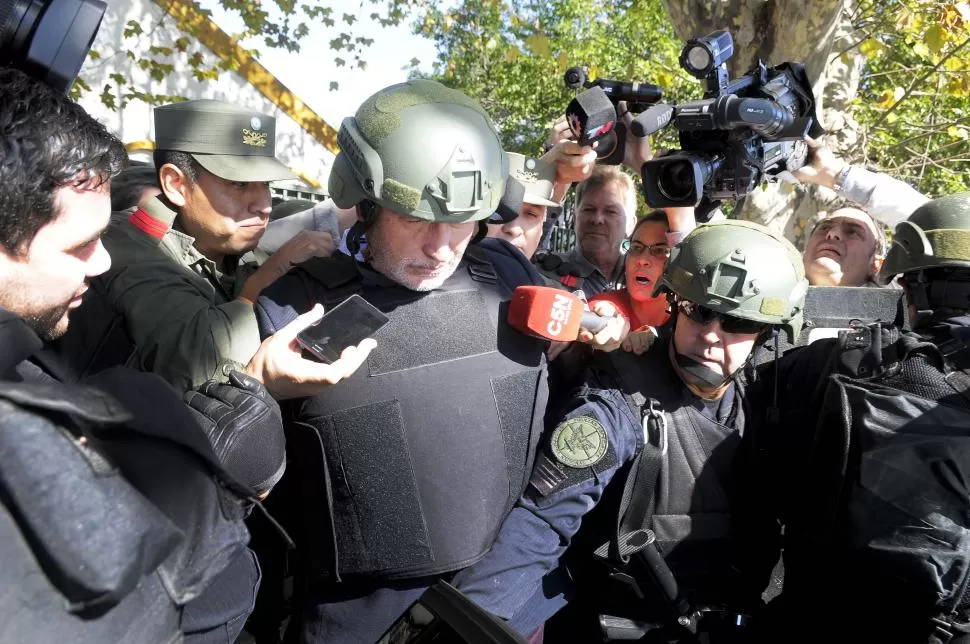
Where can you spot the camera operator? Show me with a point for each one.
(119, 521)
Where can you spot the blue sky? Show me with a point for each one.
(308, 74)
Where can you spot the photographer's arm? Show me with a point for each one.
(638, 150)
(884, 197)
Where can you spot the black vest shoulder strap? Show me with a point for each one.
(638, 491)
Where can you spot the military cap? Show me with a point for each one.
(231, 142)
(538, 177)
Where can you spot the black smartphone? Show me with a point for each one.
(345, 325)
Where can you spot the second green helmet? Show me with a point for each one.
(423, 150)
(936, 235)
(741, 269)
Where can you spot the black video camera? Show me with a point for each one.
(592, 114)
(741, 133)
(49, 39)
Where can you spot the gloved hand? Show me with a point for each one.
(245, 428)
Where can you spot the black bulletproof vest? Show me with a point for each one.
(409, 467)
(689, 509)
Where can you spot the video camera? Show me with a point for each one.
(592, 114)
(49, 39)
(741, 133)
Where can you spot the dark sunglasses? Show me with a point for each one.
(657, 251)
(729, 324)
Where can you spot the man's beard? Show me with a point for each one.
(45, 324)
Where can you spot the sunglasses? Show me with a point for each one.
(657, 251)
(729, 324)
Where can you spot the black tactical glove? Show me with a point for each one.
(244, 426)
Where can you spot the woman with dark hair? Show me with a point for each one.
(647, 250)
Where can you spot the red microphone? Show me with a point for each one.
(551, 313)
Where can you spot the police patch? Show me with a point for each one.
(579, 442)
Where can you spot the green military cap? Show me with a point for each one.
(538, 177)
(231, 142)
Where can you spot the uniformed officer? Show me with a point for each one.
(675, 413)
(867, 459)
(539, 180)
(178, 298)
(406, 471)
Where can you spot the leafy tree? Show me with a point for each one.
(912, 103)
(892, 76)
(512, 56)
(280, 24)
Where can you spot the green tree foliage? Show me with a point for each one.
(512, 55)
(279, 24)
(911, 103)
(914, 98)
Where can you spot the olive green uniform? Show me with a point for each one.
(163, 306)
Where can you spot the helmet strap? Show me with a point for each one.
(702, 380)
(481, 232)
(355, 235)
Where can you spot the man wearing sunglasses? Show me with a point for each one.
(671, 421)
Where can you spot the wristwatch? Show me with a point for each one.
(839, 183)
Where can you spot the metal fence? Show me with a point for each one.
(561, 236)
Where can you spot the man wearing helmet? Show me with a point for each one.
(729, 285)
(869, 462)
(405, 473)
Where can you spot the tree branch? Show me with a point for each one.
(918, 81)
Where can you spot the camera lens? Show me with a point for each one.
(699, 60)
(675, 180)
(49, 39)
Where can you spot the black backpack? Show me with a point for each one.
(889, 482)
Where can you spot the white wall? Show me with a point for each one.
(133, 122)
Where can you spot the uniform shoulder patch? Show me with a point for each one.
(579, 442)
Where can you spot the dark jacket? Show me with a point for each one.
(116, 522)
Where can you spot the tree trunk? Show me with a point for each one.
(775, 31)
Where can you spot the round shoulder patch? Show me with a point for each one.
(579, 442)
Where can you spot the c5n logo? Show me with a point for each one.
(579, 442)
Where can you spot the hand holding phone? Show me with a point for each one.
(345, 325)
(281, 366)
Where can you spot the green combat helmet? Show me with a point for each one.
(421, 149)
(936, 235)
(741, 269)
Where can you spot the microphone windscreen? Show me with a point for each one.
(546, 312)
(591, 115)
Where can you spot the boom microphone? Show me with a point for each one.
(653, 119)
(551, 313)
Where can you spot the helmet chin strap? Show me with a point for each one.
(703, 380)
(701, 375)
